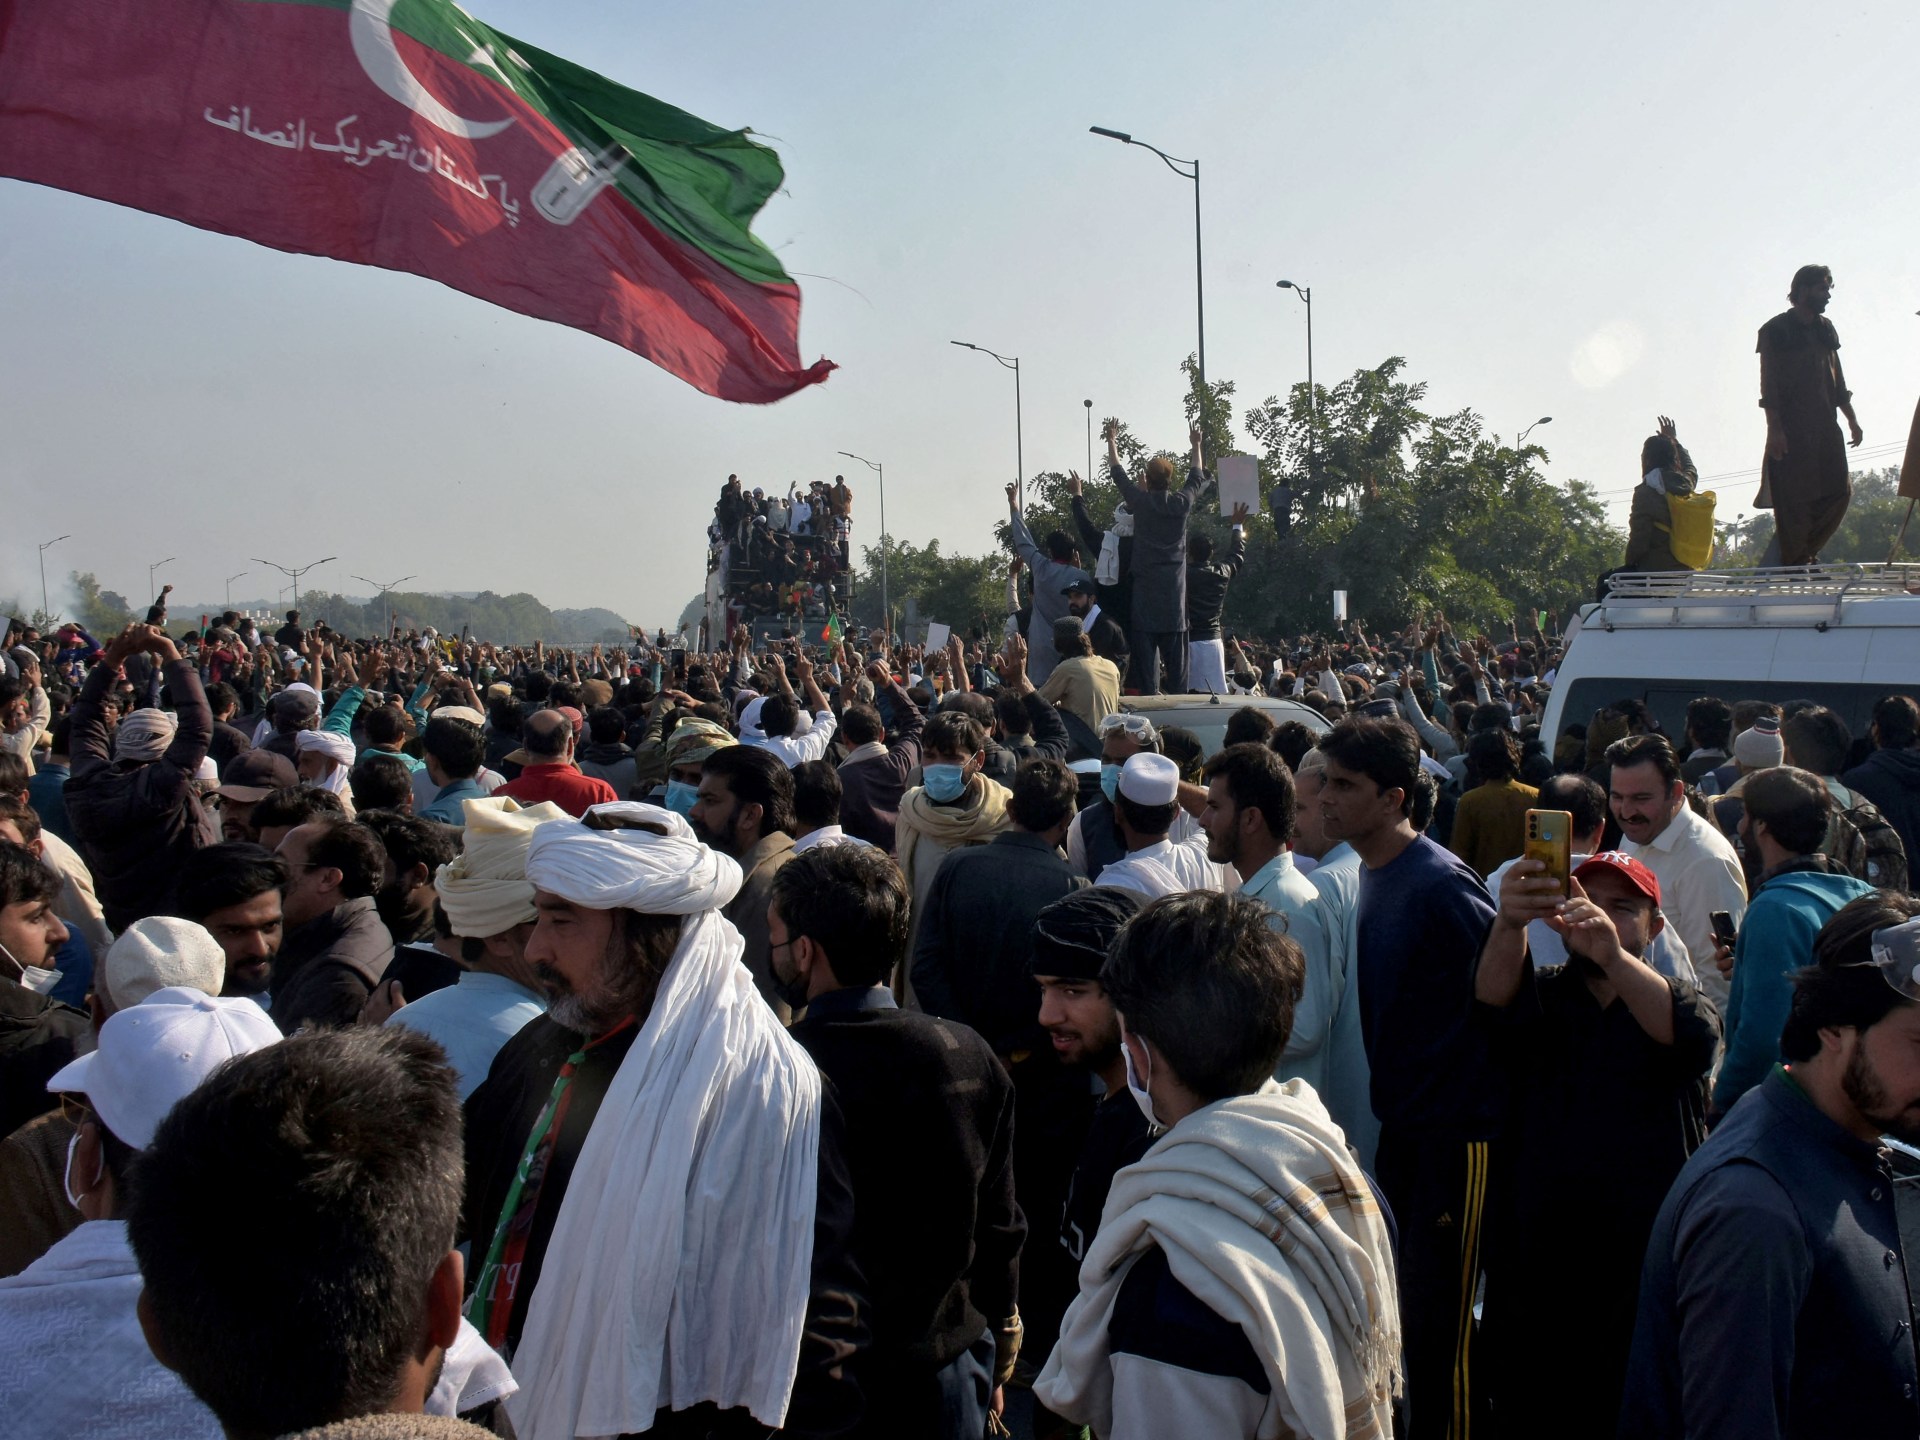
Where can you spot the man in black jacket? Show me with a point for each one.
(132, 797)
(337, 947)
(929, 1115)
(1159, 564)
(38, 1034)
(1207, 581)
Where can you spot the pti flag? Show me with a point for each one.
(408, 135)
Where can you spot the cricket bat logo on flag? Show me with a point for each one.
(406, 134)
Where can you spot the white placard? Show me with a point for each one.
(1239, 483)
(1339, 607)
(937, 636)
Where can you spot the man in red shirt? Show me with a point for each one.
(550, 773)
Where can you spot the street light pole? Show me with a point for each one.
(886, 615)
(230, 579)
(1019, 431)
(1089, 405)
(1305, 292)
(385, 592)
(153, 567)
(293, 575)
(1199, 272)
(46, 611)
(1543, 420)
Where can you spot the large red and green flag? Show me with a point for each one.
(408, 135)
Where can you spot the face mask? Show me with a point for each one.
(945, 783)
(680, 797)
(1135, 1086)
(1110, 782)
(66, 1179)
(33, 977)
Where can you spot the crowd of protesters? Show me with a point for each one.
(418, 1036)
(833, 1039)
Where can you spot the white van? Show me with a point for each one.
(1841, 635)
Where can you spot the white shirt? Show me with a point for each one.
(1183, 829)
(798, 749)
(1164, 868)
(1699, 873)
(829, 835)
(1667, 955)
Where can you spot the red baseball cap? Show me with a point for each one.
(1615, 862)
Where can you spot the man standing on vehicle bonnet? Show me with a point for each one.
(1804, 476)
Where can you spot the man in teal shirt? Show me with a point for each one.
(1784, 824)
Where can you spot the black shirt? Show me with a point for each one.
(929, 1114)
(1603, 1118)
(1118, 1136)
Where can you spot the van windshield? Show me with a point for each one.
(1668, 699)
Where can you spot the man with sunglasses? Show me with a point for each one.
(1774, 1301)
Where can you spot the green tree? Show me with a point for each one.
(1865, 536)
(962, 591)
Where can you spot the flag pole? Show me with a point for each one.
(1903, 529)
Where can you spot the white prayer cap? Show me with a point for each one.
(484, 889)
(154, 1054)
(1149, 779)
(208, 770)
(158, 953)
(144, 735)
(660, 870)
(337, 748)
(460, 712)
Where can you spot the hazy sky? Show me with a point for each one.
(1583, 212)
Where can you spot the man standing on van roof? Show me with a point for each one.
(1804, 477)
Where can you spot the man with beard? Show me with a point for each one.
(1774, 1300)
(234, 891)
(1609, 1060)
(656, 1197)
(745, 811)
(249, 778)
(1071, 938)
(1248, 819)
(1801, 385)
(486, 900)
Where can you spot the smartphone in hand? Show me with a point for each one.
(1550, 839)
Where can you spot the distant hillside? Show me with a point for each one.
(503, 619)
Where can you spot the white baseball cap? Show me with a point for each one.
(154, 1054)
(158, 952)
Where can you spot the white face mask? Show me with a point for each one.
(1136, 1086)
(66, 1180)
(33, 977)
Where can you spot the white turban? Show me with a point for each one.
(144, 735)
(750, 717)
(337, 748)
(484, 889)
(660, 874)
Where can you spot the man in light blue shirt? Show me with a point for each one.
(1249, 819)
(489, 905)
(1347, 1077)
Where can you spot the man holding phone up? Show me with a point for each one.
(1608, 1061)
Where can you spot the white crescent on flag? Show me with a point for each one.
(370, 24)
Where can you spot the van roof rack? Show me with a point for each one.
(1806, 594)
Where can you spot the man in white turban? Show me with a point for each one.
(325, 762)
(488, 902)
(657, 1200)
